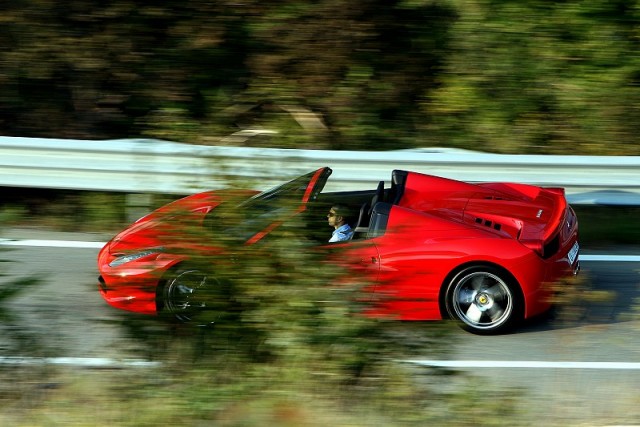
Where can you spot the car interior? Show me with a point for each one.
(369, 209)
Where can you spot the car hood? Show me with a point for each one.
(170, 225)
(251, 216)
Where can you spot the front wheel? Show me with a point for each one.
(484, 299)
(185, 293)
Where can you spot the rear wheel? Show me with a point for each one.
(484, 299)
(185, 293)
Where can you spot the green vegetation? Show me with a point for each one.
(514, 77)
(277, 344)
(608, 225)
(65, 210)
(205, 396)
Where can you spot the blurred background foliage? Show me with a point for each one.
(531, 76)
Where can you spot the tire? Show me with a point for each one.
(484, 300)
(186, 294)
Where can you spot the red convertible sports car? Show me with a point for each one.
(482, 254)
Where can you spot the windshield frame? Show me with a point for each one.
(309, 182)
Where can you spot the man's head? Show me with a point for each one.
(338, 215)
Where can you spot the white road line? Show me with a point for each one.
(53, 243)
(525, 364)
(610, 258)
(103, 362)
(86, 362)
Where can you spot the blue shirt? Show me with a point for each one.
(344, 232)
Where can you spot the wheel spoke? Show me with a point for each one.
(183, 289)
(497, 291)
(466, 296)
(474, 314)
(495, 313)
(478, 282)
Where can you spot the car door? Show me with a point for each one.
(360, 263)
(361, 257)
(412, 261)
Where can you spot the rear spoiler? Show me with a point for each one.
(546, 243)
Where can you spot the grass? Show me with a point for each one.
(261, 396)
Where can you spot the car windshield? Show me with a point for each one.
(245, 219)
(292, 191)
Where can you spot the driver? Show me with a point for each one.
(337, 217)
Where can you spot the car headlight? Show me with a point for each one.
(133, 256)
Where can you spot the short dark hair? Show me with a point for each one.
(343, 211)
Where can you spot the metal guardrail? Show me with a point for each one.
(155, 166)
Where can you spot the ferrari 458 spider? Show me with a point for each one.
(482, 254)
